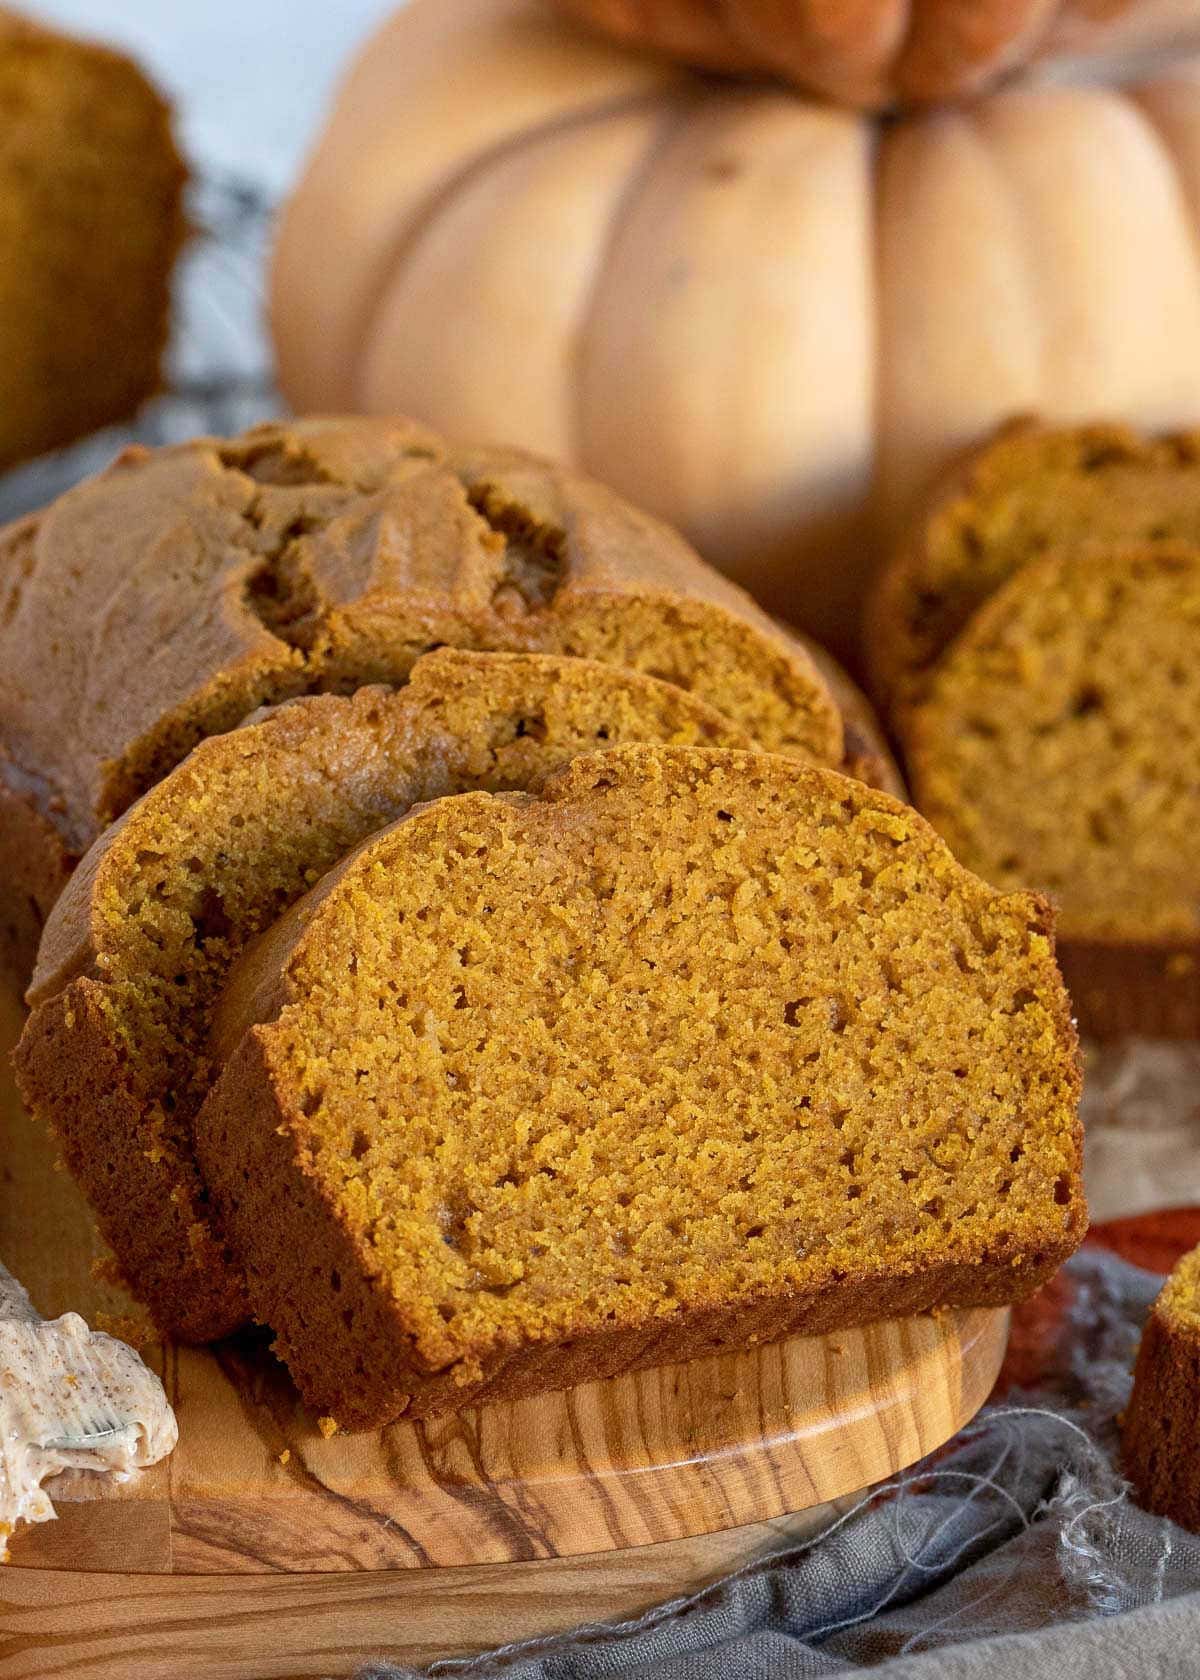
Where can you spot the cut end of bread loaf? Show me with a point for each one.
(1037, 642)
(695, 1045)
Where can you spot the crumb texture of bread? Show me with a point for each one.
(114, 1055)
(693, 1045)
(1033, 490)
(91, 221)
(1058, 746)
(1037, 640)
(1158, 1430)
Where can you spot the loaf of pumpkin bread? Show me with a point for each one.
(165, 600)
(91, 221)
(696, 1046)
(1038, 639)
(115, 1054)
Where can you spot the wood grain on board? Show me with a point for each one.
(280, 1627)
(662, 1454)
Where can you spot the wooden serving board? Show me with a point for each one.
(609, 1497)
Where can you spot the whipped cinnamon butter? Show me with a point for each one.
(70, 1399)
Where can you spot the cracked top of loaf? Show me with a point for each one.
(168, 598)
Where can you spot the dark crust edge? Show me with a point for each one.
(35, 865)
(1142, 990)
(76, 1079)
(1158, 1430)
(866, 755)
(353, 1356)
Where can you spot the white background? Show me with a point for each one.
(250, 78)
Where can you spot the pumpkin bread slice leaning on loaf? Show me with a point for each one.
(114, 1054)
(696, 1047)
(168, 598)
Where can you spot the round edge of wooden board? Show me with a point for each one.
(659, 1455)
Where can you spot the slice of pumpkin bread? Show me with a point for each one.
(698, 1047)
(1058, 746)
(114, 1053)
(1158, 1430)
(1029, 491)
(169, 597)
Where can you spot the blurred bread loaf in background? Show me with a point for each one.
(91, 221)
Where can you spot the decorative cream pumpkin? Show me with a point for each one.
(766, 320)
(883, 52)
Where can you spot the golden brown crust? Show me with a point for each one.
(313, 1266)
(174, 594)
(165, 600)
(1158, 1430)
(283, 797)
(156, 1226)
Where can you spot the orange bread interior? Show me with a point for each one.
(114, 1055)
(1031, 491)
(1058, 745)
(695, 1045)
